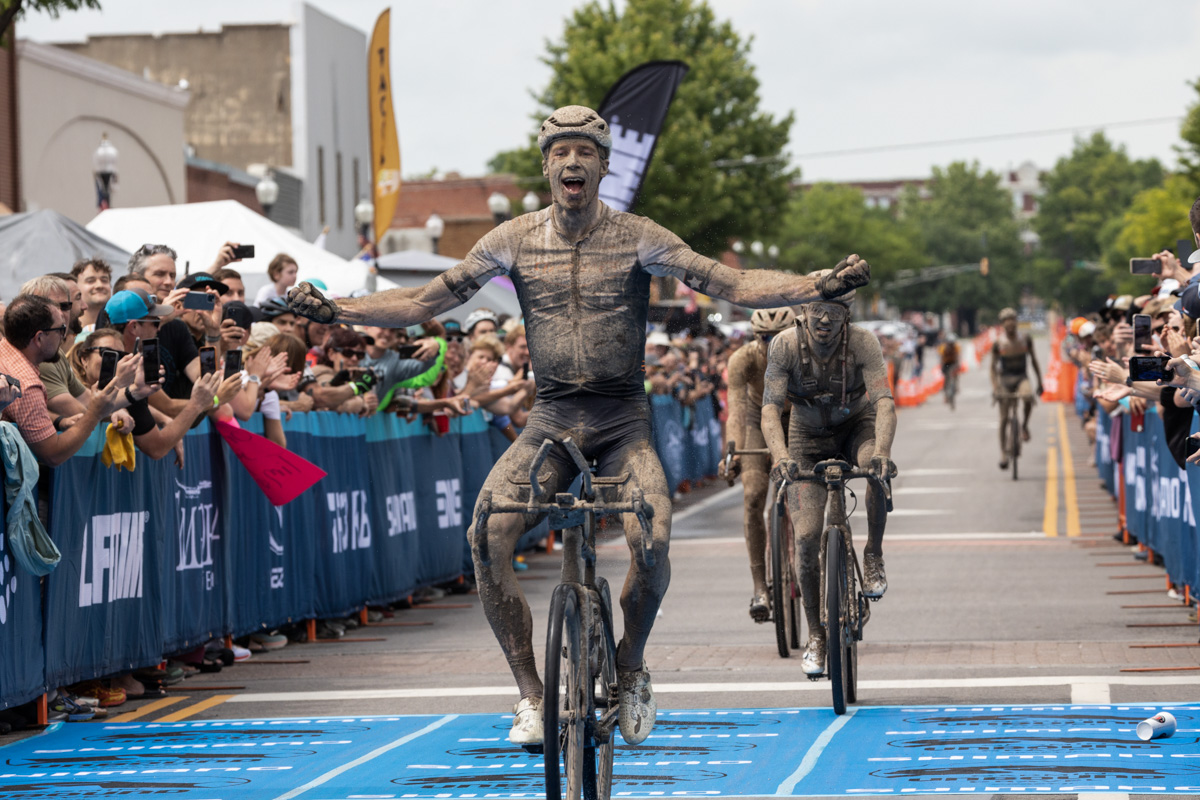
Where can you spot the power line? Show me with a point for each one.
(995, 137)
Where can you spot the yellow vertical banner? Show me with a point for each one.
(385, 145)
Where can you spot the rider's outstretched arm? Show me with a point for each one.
(664, 253)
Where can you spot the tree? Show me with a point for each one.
(714, 117)
(828, 221)
(11, 10)
(1189, 151)
(1157, 218)
(966, 217)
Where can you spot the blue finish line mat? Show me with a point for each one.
(713, 753)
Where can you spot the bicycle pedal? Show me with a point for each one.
(816, 677)
(534, 749)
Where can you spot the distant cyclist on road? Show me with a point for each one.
(834, 376)
(744, 431)
(582, 273)
(951, 357)
(1010, 375)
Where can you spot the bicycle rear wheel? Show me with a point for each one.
(838, 633)
(565, 713)
(598, 758)
(782, 610)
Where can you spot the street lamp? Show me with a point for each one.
(756, 247)
(267, 192)
(435, 227)
(739, 247)
(531, 202)
(104, 171)
(500, 206)
(364, 215)
(773, 253)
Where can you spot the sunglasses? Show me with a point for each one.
(350, 352)
(61, 330)
(66, 306)
(87, 351)
(834, 310)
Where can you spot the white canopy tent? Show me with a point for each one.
(196, 231)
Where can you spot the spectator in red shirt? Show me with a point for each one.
(34, 329)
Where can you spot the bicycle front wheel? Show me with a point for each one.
(839, 636)
(565, 700)
(1014, 442)
(781, 580)
(598, 758)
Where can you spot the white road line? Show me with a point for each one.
(861, 511)
(333, 773)
(733, 687)
(899, 490)
(932, 472)
(814, 753)
(893, 538)
(722, 496)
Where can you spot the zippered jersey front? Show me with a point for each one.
(586, 302)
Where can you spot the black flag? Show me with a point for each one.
(635, 108)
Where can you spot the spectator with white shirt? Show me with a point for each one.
(282, 273)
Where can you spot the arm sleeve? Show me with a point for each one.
(781, 357)
(662, 253)
(492, 255)
(874, 368)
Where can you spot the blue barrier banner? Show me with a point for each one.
(193, 558)
(395, 481)
(699, 460)
(1108, 468)
(105, 598)
(440, 510)
(666, 417)
(269, 551)
(23, 667)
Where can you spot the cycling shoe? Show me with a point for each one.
(760, 608)
(813, 661)
(638, 707)
(874, 577)
(527, 722)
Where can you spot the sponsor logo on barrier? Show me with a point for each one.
(72, 787)
(197, 529)
(351, 523)
(401, 513)
(8, 581)
(276, 551)
(449, 503)
(112, 557)
(672, 450)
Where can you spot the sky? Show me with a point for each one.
(865, 75)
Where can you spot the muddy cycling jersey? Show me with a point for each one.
(585, 302)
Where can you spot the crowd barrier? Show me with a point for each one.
(160, 560)
(1158, 502)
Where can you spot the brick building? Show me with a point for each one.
(462, 203)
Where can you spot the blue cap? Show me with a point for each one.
(320, 284)
(130, 304)
(1189, 301)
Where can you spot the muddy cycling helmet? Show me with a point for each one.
(1007, 313)
(275, 307)
(570, 121)
(772, 320)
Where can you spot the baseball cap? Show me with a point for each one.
(453, 328)
(1189, 301)
(477, 316)
(199, 281)
(1087, 329)
(1194, 258)
(1076, 324)
(131, 304)
(658, 338)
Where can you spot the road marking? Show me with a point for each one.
(149, 708)
(1070, 501)
(734, 687)
(722, 496)
(932, 472)
(861, 511)
(927, 490)
(814, 753)
(1050, 517)
(333, 773)
(203, 705)
(1091, 694)
(681, 539)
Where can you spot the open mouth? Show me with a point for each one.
(573, 186)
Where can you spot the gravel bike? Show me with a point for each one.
(580, 703)
(950, 383)
(1013, 428)
(844, 608)
(784, 589)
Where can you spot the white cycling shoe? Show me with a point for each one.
(638, 707)
(527, 725)
(874, 577)
(813, 660)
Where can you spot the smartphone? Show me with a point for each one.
(1142, 335)
(1150, 368)
(1183, 249)
(356, 373)
(1190, 446)
(208, 360)
(1144, 266)
(239, 313)
(199, 301)
(243, 251)
(108, 367)
(233, 363)
(407, 350)
(150, 363)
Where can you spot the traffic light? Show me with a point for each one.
(983, 266)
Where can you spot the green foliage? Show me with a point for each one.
(827, 222)
(715, 116)
(1189, 151)
(1156, 219)
(966, 216)
(11, 10)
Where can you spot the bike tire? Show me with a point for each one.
(781, 589)
(836, 617)
(564, 724)
(1014, 433)
(598, 759)
(796, 605)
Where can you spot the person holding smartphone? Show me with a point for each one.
(394, 363)
(333, 387)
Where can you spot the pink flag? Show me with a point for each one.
(282, 475)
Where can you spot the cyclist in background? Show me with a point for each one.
(834, 376)
(1011, 353)
(744, 431)
(951, 356)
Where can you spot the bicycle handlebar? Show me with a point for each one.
(732, 451)
(845, 472)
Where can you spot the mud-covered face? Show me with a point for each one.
(574, 167)
(824, 321)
